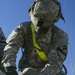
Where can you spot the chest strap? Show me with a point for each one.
(40, 53)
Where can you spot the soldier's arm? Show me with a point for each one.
(14, 42)
(56, 57)
(55, 63)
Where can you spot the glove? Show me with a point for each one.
(11, 70)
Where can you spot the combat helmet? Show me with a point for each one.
(49, 10)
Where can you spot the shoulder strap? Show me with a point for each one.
(41, 54)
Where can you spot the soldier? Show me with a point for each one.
(44, 44)
(2, 45)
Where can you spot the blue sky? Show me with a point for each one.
(13, 12)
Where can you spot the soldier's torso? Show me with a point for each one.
(30, 55)
(46, 41)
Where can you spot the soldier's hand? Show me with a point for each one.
(11, 70)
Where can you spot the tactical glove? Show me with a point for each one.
(11, 70)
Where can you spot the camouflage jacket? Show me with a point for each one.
(51, 42)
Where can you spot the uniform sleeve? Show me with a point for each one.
(57, 54)
(14, 42)
(54, 66)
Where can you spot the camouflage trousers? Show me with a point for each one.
(31, 71)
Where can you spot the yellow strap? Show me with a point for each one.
(41, 54)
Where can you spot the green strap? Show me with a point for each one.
(41, 54)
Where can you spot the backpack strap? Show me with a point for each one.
(40, 53)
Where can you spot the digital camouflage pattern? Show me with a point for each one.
(48, 10)
(52, 40)
(2, 45)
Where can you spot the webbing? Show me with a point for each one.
(40, 53)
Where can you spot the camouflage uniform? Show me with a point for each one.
(52, 40)
(2, 45)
